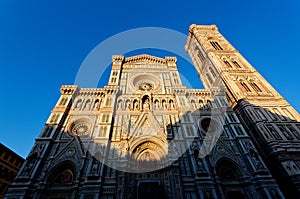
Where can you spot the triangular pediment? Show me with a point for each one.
(145, 59)
(70, 150)
(147, 126)
(222, 149)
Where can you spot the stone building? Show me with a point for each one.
(271, 122)
(10, 163)
(145, 135)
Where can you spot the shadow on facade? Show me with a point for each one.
(277, 138)
(205, 153)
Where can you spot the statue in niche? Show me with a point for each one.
(78, 104)
(96, 106)
(128, 104)
(120, 104)
(146, 104)
(172, 104)
(87, 105)
(135, 105)
(95, 165)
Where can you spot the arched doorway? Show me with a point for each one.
(230, 174)
(149, 158)
(150, 189)
(60, 181)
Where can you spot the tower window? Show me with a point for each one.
(227, 64)
(216, 45)
(209, 78)
(231, 117)
(245, 86)
(238, 130)
(108, 101)
(236, 64)
(199, 53)
(113, 80)
(105, 118)
(212, 72)
(255, 87)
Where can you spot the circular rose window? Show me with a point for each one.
(146, 86)
(145, 82)
(80, 127)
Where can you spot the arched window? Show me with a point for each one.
(255, 87)
(105, 118)
(96, 104)
(156, 104)
(47, 131)
(245, 86)
(87, 104)
(172, 105)
(201, 103)
(199, 53)
(60, 181)
(146, 102)
(108, 101)
(164, 104)
(135, 104)
(209, 78)
(216, 45)
(193, 103)
(236, 64)
(78, 104)
(227, 64)
(120, 104)
(113, 79)
(102, 132)
(63, 101)
(212, 72)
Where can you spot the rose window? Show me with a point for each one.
(146, 86)
(80, 128)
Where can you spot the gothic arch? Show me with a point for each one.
(78, 103)
(227, 169)
(148, 154)
(60, 180)
(120, 104)
(158, 142)
(96, 104)
(230, 175)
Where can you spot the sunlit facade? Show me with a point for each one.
(145, 135)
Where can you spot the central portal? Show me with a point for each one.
(150, 189)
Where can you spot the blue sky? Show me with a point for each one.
(43, 43)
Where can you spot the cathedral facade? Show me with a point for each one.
(145, 135)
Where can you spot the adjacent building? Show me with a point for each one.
(10, 163)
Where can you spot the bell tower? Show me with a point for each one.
(272, 123)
